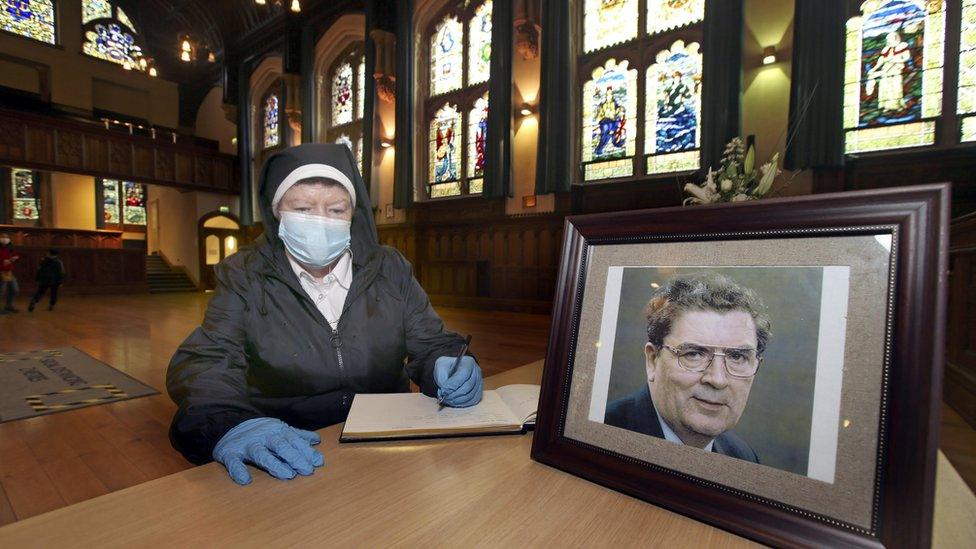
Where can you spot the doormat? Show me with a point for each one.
(36, 383)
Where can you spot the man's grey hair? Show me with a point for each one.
(703, 292)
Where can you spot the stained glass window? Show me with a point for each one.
(673, 109)
(360, 87)
(342, 95)
(609, 107)
(359, 156)
(477, 132)
(446, 56)
(111, 42)
(445, 152)
(95, 9)
(110, 201)
(967, 71)
(26, 204)
(479, 46)
(344, 140)
(894, 73)
(124, 19)
(608, 22)
(664, 15)
(271, 137)
(29, 18)
(134, 210)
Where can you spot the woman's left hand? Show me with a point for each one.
(462, 389)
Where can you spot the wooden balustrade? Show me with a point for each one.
(40, 237)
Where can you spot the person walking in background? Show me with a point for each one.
(8, 282)
(50, 275)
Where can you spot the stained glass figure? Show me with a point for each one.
(664, 15)
(359, 157)
(608, 22)
(609, 104)
(967, 71)
(95, 9)
(271, 137)
(28, 18)
(124, 19)
(342, 98)
(894, 73)
(445, 149)
(673, 109)
(446, 56)
(134, 211)
(360, 87)
(111, 42)
(26, 204)
(110, 201)
(479, 44)
(477, 132)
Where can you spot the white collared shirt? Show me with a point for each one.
(670, 435)
(328, 293)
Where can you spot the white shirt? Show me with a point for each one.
(329, 292)
(670, 436)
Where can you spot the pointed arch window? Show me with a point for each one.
(641, 87)
(35, 19)
(110, 35)
(270, 118)
(456, 108)
(346, 83)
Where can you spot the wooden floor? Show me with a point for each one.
(52, 461)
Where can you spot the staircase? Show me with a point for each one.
(163, 279)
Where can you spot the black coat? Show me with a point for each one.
(264, 349)
(51, 272)
(636, 412)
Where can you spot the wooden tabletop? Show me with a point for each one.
(451, 492)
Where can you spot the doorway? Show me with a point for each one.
(219, 237)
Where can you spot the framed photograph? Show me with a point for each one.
(772, 368)
(389, 211)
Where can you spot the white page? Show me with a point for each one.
(417, 412)
(522, 400)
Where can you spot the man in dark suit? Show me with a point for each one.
(706, 335)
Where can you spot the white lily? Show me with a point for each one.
(769, 172)
(700, 195)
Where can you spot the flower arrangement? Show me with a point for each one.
(736, 180)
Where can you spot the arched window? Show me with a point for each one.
(967, 72)
(640, 53)
(459, 57)
(346, 84)
(110, 35)
(270, 118)
(30, 18)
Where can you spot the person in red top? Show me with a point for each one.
(8, 282)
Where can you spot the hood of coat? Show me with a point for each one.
(279, 165)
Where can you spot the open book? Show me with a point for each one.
(508, 409)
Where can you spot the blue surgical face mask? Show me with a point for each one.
(314, 240)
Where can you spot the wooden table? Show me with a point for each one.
(436, 493)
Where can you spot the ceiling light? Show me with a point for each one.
(295, 6)
(152, 72)
(260, 2)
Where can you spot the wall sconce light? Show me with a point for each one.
(528, 201)
(526, 109)
(386, 143)
(769, 55)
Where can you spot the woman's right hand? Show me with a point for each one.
(271, 444)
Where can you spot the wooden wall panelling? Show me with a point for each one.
(960, 375)
(12, 140)
(184, 167)
(40, 145)
(120, 158)
(62, 238)
(70, 149)
(165, 165)
(87, 270)
(96, 153)
(143, 162)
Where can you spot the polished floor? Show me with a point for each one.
(52, 461)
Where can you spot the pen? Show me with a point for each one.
(454, 366)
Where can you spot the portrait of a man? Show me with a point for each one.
(705, 341)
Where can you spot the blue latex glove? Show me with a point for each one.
(272, 445)
(462, 389)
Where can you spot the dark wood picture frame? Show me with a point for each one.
(908, 433)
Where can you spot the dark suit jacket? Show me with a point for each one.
(636, 412)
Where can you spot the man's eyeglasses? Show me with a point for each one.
(740, 363)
